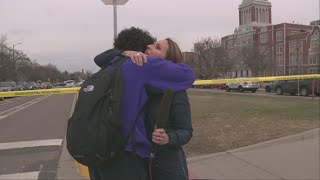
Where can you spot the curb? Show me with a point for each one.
(284, 140)
(287, 139)
(68, 167)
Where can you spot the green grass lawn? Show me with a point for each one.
(227, 121)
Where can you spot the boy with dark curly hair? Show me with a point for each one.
(134, 39)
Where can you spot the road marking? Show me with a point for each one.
(26, 144)
(10, 101)
(27, 175)
(22, 106)
(2, 117)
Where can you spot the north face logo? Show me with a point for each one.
(88, 88)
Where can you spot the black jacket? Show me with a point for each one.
(169, 162)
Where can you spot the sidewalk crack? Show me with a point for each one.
(254, 165)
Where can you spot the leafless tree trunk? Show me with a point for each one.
(258, 60)
(212, 59)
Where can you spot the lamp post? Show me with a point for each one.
(14, 61)
(115, 3)
(298, 64)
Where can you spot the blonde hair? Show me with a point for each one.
(173, 53)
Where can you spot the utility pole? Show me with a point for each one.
(298, 64)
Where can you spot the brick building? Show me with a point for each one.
(284, 44)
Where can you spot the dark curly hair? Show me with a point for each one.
(134, 39)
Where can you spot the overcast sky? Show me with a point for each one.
(69, 33)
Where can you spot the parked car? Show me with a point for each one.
(219, 86)
(59, 85)
(79, 84)
(243, 86)
(69, 83)
(47, 85)
(269, 87)
(30, 86)
(39, 85)
(21, 85)
(291, 87)
(9, 86)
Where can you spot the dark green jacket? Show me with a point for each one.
(170, 162)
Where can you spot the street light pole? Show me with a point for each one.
(115, 25)
(15, 64)
(298, 67)
(115, 3)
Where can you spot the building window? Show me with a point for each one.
(279, 36)
(313, 59)
(279, 48)
(293, 71)
(279, 72)
(314, 71)
(295, 52)
(279, 59)
(279, 54)
(231, 55)
(263, 38)
(230, 44)
(314, 51)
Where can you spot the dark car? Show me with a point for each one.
(269, 87)
(47, 85)
(30, 86)
(291, 87)
(59, 85)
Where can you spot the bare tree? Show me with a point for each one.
(212, 59)
(258, 60)
(5, 61)
(22, 68)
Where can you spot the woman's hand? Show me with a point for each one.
(136, 57)
(159, 136)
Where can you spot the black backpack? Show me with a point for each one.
(94, 134)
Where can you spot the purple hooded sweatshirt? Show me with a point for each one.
(157, 73)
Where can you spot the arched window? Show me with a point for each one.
(260, 15)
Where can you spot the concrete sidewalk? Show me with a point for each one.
(291, 157)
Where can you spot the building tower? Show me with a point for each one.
(255, 13)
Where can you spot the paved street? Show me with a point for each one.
(32, 130)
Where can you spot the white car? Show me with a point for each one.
(69, 83)
(243, 86)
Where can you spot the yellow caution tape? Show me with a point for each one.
(40, 92)
(197, 82)
(256, 79)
